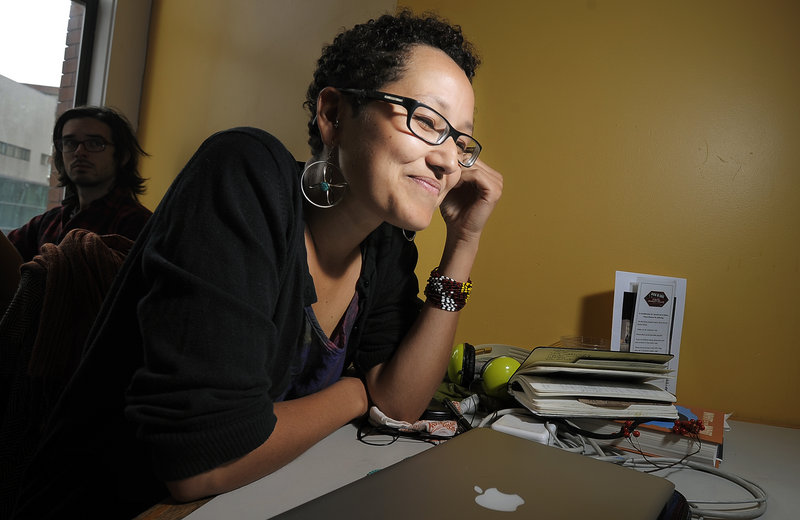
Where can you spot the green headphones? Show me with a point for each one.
(493, 375)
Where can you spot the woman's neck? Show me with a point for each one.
(333, 244)
(337, 233)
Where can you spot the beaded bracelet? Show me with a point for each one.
(445, 293)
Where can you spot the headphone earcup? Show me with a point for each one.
(461, 368)
(495, 375)
(468, 373)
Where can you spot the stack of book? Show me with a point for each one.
(574, 382)
(657, 438)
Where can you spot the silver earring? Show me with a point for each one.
(409, 235)
(323, 183)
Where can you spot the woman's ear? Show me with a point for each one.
(329, 106)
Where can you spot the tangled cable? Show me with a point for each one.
(569, 437)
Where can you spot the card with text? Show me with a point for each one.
(648, 317)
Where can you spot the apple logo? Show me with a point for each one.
(497, 500)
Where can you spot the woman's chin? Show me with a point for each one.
(418, 223)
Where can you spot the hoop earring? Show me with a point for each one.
(322, 183)
(409, 235)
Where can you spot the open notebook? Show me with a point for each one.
(484, 473)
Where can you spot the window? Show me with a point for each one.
(16, 152)
(43, 78)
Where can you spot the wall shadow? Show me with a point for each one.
(595, 315)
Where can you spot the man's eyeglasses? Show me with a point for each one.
(427, 124)
(93, 144)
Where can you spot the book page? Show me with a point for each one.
(621, 365)
(559, 356)
(604, 373)
(570, 407)
(550, 386)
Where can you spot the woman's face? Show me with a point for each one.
(393, 174)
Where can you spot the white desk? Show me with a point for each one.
(335, 461)
(767, 455)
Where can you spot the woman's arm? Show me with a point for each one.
(403, 386)
(301, 424)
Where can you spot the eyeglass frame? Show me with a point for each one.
(59, 144)
(411, 104)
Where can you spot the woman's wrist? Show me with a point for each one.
(446, 293)
(457, 262)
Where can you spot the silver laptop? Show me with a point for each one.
(485, 473)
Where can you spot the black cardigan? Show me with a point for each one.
(198, 332)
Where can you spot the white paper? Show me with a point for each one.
(654, 328)
(651, 329)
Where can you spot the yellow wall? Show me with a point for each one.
(650, 137)
(654, 137)
(213, 65)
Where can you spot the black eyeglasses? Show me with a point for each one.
(427, 124)
(93, 144)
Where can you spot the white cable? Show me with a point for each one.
(499, 413)
(758, 493)
(577, 443)
(596, 447)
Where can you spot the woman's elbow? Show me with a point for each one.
(190, 489)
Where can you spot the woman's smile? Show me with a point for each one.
(428, 184)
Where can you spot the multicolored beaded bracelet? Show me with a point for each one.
(445, 293)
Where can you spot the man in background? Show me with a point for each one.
(55, 271)
(97, 160)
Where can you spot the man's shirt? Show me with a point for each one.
(116, 213)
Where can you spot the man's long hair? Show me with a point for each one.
(126, 148)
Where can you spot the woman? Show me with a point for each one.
(258, 281)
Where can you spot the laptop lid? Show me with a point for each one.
(484, 473)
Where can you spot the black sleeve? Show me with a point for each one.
(389, 290)
(213, 261)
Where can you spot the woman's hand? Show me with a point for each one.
(467, 206)
(423, 355)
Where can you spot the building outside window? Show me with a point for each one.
(45, 75)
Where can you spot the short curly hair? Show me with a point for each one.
(375, 53)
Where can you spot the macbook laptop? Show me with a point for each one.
(484, 473)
